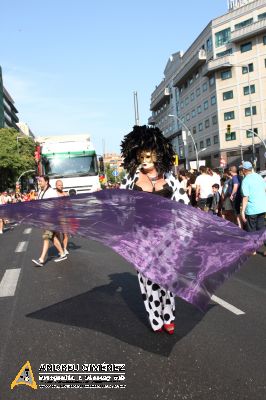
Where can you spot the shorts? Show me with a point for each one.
(236, 203)
(48, 235)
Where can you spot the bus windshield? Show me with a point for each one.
(58, 166)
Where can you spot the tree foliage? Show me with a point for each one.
(16, 156)
(109, 174)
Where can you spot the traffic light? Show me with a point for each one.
(176, 159)
(228, 128)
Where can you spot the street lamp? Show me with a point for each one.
(24, 173)
(189, 134)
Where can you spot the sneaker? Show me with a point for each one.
(66, 252)
(61, 258)
(39, 263)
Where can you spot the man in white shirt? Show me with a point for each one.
(204, 192)
(46, 192)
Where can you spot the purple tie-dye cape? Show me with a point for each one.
(179, 247)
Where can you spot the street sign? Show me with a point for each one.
(115, 172)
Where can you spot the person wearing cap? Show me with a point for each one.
(254, 198)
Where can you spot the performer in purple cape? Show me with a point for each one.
(148, 159)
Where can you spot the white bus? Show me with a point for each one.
(71, 159)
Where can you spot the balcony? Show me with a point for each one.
(158, 100)
(186, 70)
(217, 64)
(248, 31)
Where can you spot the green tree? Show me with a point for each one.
(16, 156)
(109, 174)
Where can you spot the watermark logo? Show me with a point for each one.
(25, 377)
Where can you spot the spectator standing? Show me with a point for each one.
(204, 192)
(236, 197)
(254, 199)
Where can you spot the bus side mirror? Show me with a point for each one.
(101, 164)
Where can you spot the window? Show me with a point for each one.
(206, 104)
(246, 89)
(193, 113)
(199, 109)
(249, 134)
(222, 37)
(230, 136)
(215, 139)
(248, 68)
(181, 151)
(224, 53)
(208, 142)
(190, 81)
(213, 100)
(187, 117)
(228, 95)
(244, 23)
(186, 101)
(248, 111)
(246, 47)
(209, 44)
(226, 74)
(181, 104)
(200, 126)
(264, 39)
(261, 16)
(196, 74)
(192, 96)
(194, 130)
(201, 144)
(214, 119)
(198, 92)
(207, 123)
(211, 81)
(204, 87)
(229, 115)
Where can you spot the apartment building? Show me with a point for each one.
(8, 111)
(217, 90)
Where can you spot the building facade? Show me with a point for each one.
(8, 111)
(218, 90)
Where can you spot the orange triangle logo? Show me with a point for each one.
(25, 377)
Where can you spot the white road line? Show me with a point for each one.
(9, 282)
(226, 305)
(27, 231)
(22, 246)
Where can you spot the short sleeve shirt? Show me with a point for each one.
(253, 187)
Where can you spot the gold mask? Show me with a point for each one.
(147, 158)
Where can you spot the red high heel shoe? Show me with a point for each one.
(169, 328)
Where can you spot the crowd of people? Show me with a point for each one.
(236, 194)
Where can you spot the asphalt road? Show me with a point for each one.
(88, 310)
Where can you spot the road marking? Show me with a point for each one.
(226, 305)
(9, 282)
(22, 246)
(27, 231)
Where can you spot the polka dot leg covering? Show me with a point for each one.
(159, 303)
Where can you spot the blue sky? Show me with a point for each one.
(72, 66)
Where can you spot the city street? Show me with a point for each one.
(88, 310)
